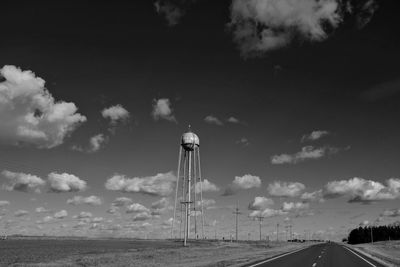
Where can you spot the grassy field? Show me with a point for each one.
(135, 253)
(388, 251)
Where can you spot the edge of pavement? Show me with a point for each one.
(368, 255)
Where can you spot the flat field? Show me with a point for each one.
(388, 251)
(124, 252)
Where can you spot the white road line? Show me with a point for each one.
(278, 257)
(361, 257)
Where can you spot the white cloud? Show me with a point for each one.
(116, 114)
(20, 213)
(65, 183)
(60, 214)
(95, 144)
(263, 25)
(207, 203)
(284, 189)
(247, 181)
(233, 120)
(391, 213)
(161, 184)
(162, 110)
(4, 203)
(142, 216)
(18, 181)
(213, 120)
(314, 135)
(294, 206)
(364, 223)
(367, 11)
(136, 208)
(91, 200)
(267, 213)
(313, 196)
(122, 201)
(206, 186)
(160, 204)
(41, 210)
(113, 210)
(306, 153)
(170, 11)
(30, 114)
(260, 203)
(83, 215)
(364, 191)
(243, 141)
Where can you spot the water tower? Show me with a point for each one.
(189, 188)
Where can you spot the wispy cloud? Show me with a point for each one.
(314, 135)
(306, 153)
(91, 200)
(172, 12)
(96, 143)
(211, 119)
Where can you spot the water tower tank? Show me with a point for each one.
(190, 140)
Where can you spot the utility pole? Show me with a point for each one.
(260, 219)
(372, 236)
(290, 227)
(237, 212)
(277, 232)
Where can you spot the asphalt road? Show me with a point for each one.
(321, 255)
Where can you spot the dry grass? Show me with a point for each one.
(203, 253)
(386, 250)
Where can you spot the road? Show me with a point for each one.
(320, 255)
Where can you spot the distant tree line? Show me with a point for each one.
(379, 233)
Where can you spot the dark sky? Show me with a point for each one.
(99, 54)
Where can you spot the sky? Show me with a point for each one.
(296, 104)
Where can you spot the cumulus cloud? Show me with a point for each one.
(247, 181)
(30, 114)
(363, 191)
(91, 200)
(267, 213)
(260, 203)
(314, 135)
(172, 12)
(391, 213)
(162, 110)
(207, 203)
(65, 182)
(313, 196)
(122, 201)
(213, 120)
(95, 144)
(20, 213)
(4, 203)
(83, 215)
(161, 184)
(233, 120)
(142, 216)
(306, 153)
(60, 214)
(263, 25)
(136, 208)
(160, 204)
(243, 141)
(294, 206)
(285, 189)
(18, 181)
(115, 114)
(42, 210)
(206, 186)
